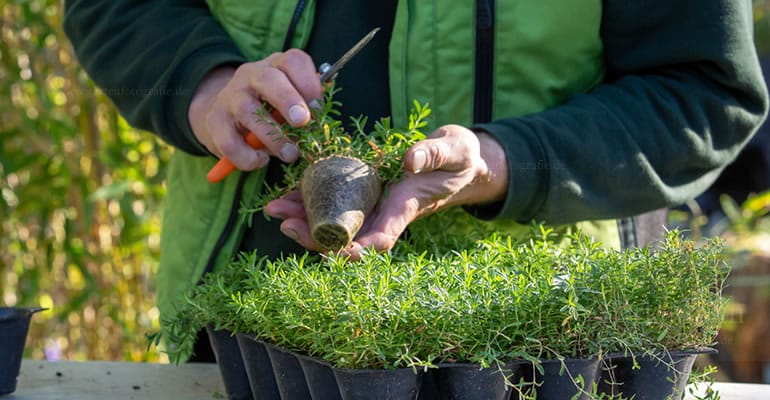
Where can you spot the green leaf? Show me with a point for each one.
(112, 191)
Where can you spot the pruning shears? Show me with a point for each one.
(326, 72)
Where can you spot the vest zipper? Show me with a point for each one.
(485, 61)
(301, 4)
(230, 224)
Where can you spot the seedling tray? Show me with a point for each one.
(276, 373)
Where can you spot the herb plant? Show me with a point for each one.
(499, 301)
(325, 136)
(210, 303)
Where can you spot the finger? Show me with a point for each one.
(298, 230)
(449, 148)
(243, 106)
(407, 200)
(300, 69)
(286, 207)
(352, 251)
(273, 85)
(294, 195)
(228, 143)
(378, 242)
(386, 224)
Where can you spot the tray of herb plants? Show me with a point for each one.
(449, 314)
(504, 319)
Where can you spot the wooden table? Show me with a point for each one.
(736, 391)
(91, 380)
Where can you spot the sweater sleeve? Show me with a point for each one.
(148, 57)
(683, 92)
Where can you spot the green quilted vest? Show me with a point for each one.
(545, 51)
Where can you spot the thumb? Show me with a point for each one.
(447, 149)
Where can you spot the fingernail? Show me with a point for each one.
(418, 161)
(289, 152)
(262, 159)
(273, 214)
(291, 233)
(314, 104)
(298, 114)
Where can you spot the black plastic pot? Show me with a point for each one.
(428, 388)
(662, 376)
(288, 373)
(470, 381)
(366, 384)
(14, 324)
(573, 378)
(258, 367)
(320, 379)
(230, 362)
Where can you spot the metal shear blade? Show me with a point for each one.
(328, 72)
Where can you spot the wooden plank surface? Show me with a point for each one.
(734, 391)
(91, 380)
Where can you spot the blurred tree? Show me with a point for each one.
(79, 198)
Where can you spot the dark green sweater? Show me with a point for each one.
(683, 93)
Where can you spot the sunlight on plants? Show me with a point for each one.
(80, 193)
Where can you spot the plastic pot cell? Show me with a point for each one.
(230, 363)
(14, 324)
(656, 377)
(320, 379)
(258, 367)
(366, 384)
(470, 381)
(288, 373)
(573, 378)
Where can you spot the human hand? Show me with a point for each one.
(453, 166)
(226, 104)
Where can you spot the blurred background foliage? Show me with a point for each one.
(81, 192)
(80, 198)
(762, 26)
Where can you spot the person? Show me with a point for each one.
(581, 112)
(747, 175)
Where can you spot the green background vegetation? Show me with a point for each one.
(80, 192)
(80, 197)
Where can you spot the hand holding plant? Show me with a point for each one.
(448, 168)
(221, 110)
(337, 166)
(445, 170)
